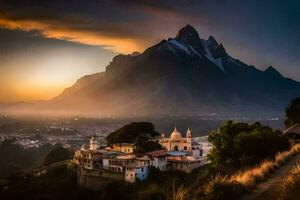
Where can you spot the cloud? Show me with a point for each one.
(121, 27)
(51, 29)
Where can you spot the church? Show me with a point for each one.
(176, 142)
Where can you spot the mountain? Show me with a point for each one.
(185, 75)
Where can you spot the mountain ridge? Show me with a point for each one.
(184, 75)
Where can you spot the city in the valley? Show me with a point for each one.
(122, 161)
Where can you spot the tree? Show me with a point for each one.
(56, 155)
(241, 144)
(293, 113)
(140, 133)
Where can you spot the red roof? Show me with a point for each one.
(157, 153)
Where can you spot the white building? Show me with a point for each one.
(94, 144)
(176, 141)
(185, 163)
(118, 163)
(158, 159)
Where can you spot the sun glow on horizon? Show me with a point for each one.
(43, 73)
(46, 74)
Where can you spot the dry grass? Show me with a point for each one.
(248, 178)
(179, 193)
(216, 180)
(291, 184)
(291, 177)
(282, 157)
(222, 186)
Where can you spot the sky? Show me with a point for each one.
(45, 46)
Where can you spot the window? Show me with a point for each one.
(142, 169)
(185, 148)
(176, 148)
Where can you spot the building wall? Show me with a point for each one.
(105, 163)
(95, 179)
(127, 149)
(130, 175)
(123, 148)
(160, 163)
(140, 173)
(183, 144)
(186, 167)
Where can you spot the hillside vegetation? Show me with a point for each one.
(15, 158)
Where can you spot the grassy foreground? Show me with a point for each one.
(244, 181)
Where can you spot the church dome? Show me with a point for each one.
(176, 135)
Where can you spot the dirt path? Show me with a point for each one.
(270, 189)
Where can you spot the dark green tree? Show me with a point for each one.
(293, 113)
(142, 134)
(241, 144)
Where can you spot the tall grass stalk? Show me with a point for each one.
(178, 193)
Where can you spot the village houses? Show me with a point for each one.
(119, 161)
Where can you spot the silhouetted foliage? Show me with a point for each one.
(57, 154)
(241, 144)
(139, 133)
(293, 113)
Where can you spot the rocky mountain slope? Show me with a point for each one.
(185, 75)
